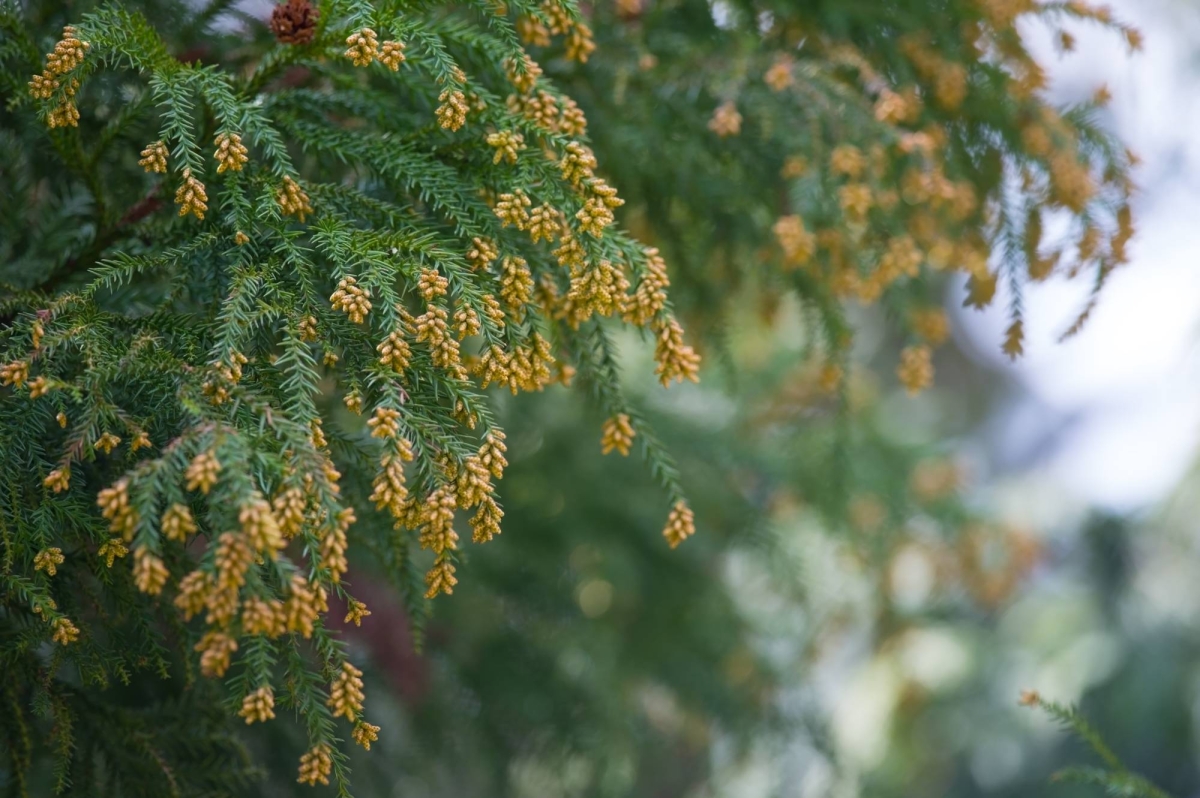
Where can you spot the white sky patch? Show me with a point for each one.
(723, 14)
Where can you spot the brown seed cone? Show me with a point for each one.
(294, 22)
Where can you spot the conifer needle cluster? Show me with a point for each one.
(392, 209)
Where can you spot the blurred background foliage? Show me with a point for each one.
(858, 613)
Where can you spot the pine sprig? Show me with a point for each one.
(1115, 778)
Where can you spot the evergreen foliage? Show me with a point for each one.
(878, 144)
(1113, 777)
(358, 254)
(222, 246)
